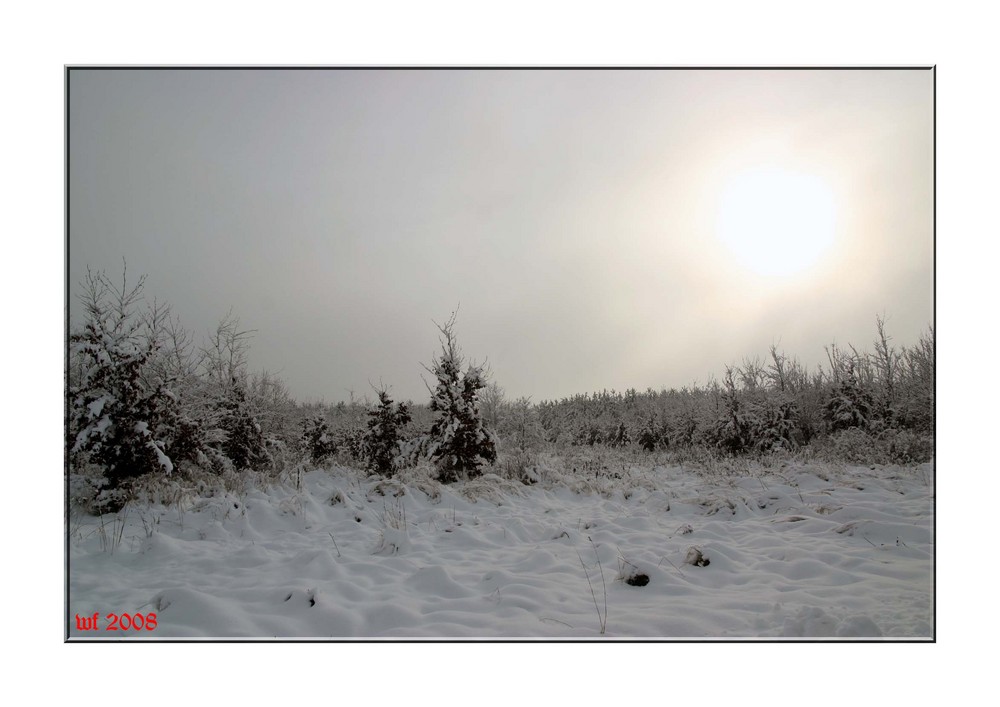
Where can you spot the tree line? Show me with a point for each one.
(862, 406)
(144, 398)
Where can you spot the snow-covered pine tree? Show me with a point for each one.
(381, 442)
(317, 439)
(244, 443)
(774, 423)
(118, 412)
(653, 435)
(460, 442)
(732, 427)
(849, 404)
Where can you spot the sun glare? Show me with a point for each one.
(776, 222)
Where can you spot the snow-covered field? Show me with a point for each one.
(805, 550)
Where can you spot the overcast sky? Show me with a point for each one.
(574, 215)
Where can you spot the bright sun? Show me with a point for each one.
(776, 222)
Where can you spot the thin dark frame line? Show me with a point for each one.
(510, 67)
(934, 340)
(66, 201)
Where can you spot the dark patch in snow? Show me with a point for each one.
(847, 528)
(694, 557)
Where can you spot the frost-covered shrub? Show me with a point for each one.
(854, 446)
(775, 426)
(849, 405)
(907, 447)
(90, 492)
(618, 436)
(653, 435)
(755, 421)
(381, 442)
(731, 432)
(810, 412)
(916, 386)
(317, 440)
(518, 465)
(460, 442)
(588, 433)
(683, 428)
(186, 439)
(414, 451)
(350, 443)
(244, 443)
(518, 425)
(857, 446)
(280, 455)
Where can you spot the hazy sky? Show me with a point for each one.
(574, 215)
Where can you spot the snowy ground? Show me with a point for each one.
(800, 551)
